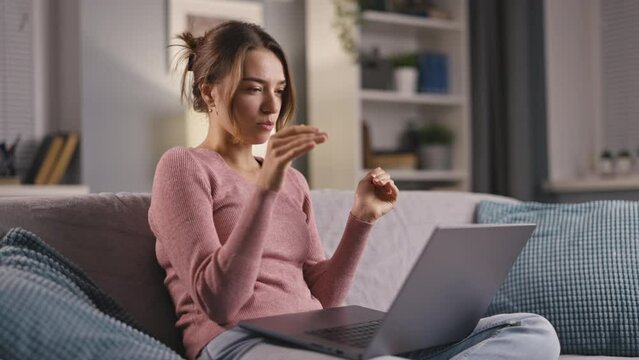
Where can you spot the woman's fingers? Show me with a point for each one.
(282, 147)
(284, 137)
(287, 151)
(372, 175)
(392, 190)
(283, 141)
(295, 130)
(290, 137)
(298, 151)
(383, 181)
(379, 176)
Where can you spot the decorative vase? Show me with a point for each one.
(405, 80)
(623, 165)
(606, 166)
(435, 157)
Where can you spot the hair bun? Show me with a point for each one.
(189, 64)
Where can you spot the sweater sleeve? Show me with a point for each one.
(330, 279)
(219, 279)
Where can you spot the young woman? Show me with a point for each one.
(236, 233)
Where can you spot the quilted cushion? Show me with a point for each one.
(51, 310)
(579, 270)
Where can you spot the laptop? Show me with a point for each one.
(441, 301)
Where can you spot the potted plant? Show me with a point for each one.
(347, 15)
(405, 72)
(435, 149)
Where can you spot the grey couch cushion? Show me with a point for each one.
(396, 239)
(108, 236)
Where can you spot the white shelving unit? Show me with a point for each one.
(425, 175)
(393, 20)
(423, 99)
(338, 105)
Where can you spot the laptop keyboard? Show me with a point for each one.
(355, 335)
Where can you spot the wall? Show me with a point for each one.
(576, 79)
(130, 106)
(573, 98)
(128, 99)
(64, 89)
(332, 104)
(284, 20)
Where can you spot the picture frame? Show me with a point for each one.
(197, 16)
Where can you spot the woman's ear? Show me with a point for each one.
(208, 94)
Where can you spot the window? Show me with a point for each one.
(620, 74)
(17, 114)
(592, 79)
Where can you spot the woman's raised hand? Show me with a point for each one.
(283, 147)
(375, 196)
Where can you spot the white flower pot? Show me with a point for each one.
(435, 157)
(405, 80)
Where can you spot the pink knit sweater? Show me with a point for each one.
(233, 251)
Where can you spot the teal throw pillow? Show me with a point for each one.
(49, 309)
(580, 270)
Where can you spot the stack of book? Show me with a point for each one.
(52, 159)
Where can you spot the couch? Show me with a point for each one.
(107, 235)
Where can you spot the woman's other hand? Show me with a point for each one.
(283, 147)
(375, 196)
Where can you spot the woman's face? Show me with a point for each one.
(258, 99)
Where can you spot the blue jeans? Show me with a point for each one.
(505, 336)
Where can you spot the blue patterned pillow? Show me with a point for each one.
(580, 270)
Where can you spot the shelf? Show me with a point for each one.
(42, 190)
(425, 175)
(593, 184)
(387, 112)
(417, 98)
(388, 18)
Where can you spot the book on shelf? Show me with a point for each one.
(393, 160)
(63, 161)
(37, 160)
(433, 73)
(52, 159)
(49, 160)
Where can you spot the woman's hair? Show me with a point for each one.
(221, 52)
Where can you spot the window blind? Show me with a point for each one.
(17, 78)
(620, 74)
